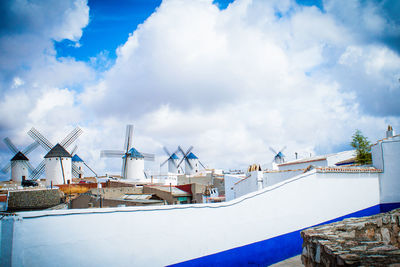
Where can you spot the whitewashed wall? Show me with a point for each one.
(54, 172)
(251, 183)
(386, 156)
(334, 158)
(271, 178)
(137, 236)
(19, 169)
(229, 182)
(319, 163)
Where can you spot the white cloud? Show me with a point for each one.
(231, 83)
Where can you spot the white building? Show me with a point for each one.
(134, 166)
(58, 166)
(321, 161)
(192, 164)
(173, 164)
(386, 156)
(19, 167)
(78, 162)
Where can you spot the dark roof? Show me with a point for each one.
(19, 156)
(58, 151)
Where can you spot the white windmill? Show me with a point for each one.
(192, 162)
(279, 157)
(57, 162)
(172, 160)
(19, 164)
(132, 160)
(79, 164)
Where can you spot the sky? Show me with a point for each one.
(231, 78)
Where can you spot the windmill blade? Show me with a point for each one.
(145, 174)
(71, 137)
(162, 164)
(35, 174)
(273, 150)
(30, 148)
(29, 166)
(188, 162)
(167, 152)
(128, 137)
(75, 173)
(124, 163)
(181, 150)
(40, 139)
(202, 165)
(73, 151)
(148, 156)
(10, 145)
(180, 162)
(75, 168)
(282, 149)
(6, 168)
(189, 150)
(90, 169)
(111, 154)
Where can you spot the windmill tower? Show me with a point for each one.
(132, 160)
(57, 162)
(172, 160)
(279, 157)
(78, 162)
(192, 162)
(78, 165)
(19, 164)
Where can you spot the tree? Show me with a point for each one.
(363, 148)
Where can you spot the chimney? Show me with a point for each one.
(389, 132)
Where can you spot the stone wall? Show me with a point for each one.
(31, 199)
(366, 241)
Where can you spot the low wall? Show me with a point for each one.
(367, 241)
(260, 228)
(33, 199)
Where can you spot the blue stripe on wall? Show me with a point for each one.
(272, 250)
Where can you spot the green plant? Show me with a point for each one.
(363, 148)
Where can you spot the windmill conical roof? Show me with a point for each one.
(174, 156)
(134, 153)
(192, 156)
(76, 158)
(19, 156)
(58, 151)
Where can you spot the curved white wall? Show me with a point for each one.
(171, 166)
(135, 169)
(136, 236)
(18, 169)
(195, 165)
(54, 172)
